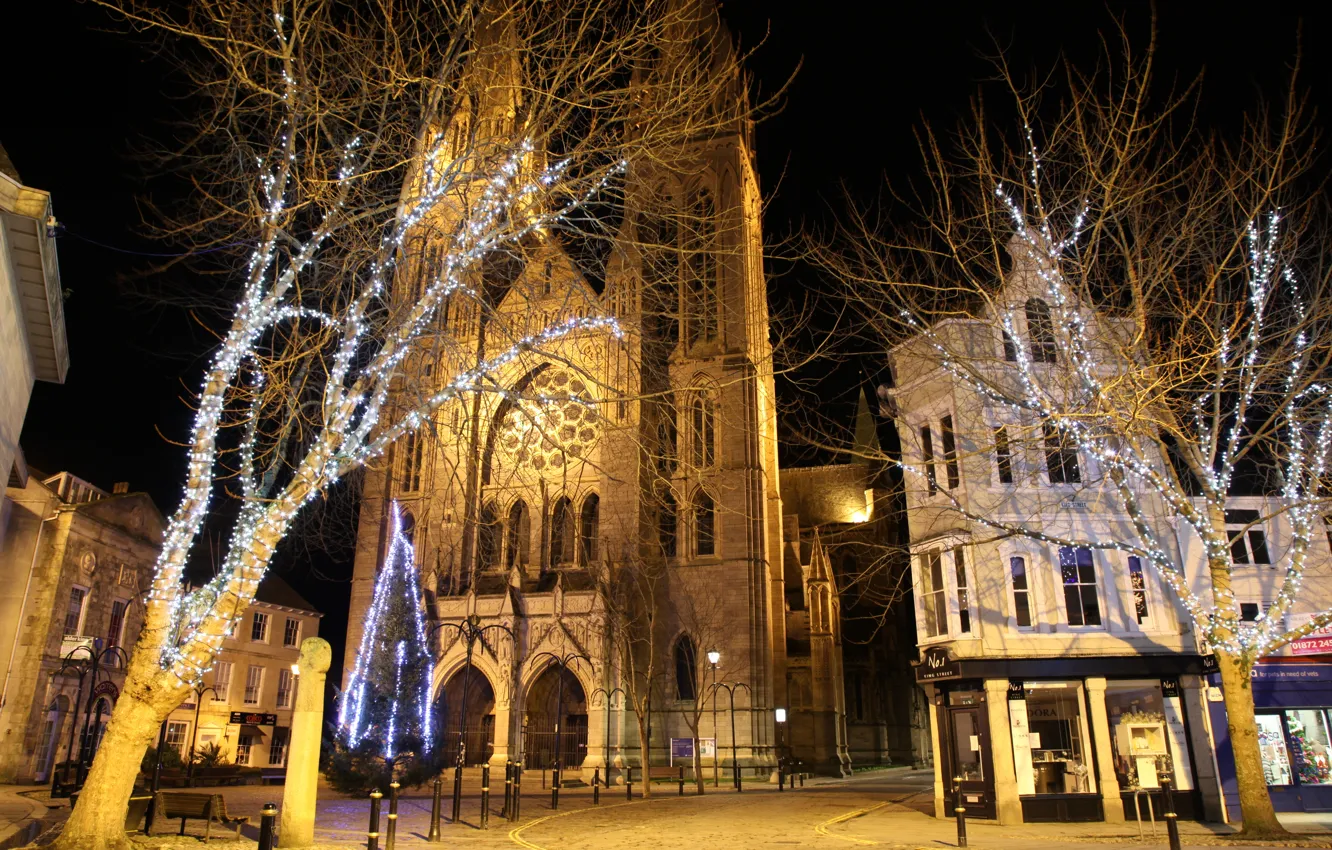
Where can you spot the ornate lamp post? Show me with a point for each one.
(199, 692)
(714, 658)
(92, 667)
(562, 663)
(606, 741)
(730, 688)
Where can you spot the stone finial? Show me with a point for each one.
(316, 656)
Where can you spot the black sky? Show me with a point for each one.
(872, 72)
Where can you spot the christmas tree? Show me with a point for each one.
(384, 729)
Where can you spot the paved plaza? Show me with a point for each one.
(879, 809)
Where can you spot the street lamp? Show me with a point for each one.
(714, 658)
(194, 734)
(91, 666)
(780, 716)
(609, 694)
(730, 687)
(562, 662)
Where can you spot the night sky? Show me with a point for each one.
(81, 96)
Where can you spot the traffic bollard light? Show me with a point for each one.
(372, 835)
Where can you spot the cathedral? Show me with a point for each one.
(616, 571)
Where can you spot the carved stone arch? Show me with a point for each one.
(465, 703)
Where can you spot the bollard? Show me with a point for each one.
(372, 836)
(457, 792)
(391, 835)
(596, 785)
(266, 826)
(628, 783)
(801, 768)
(517, 790)
(961, 811)
(1171, 819)
(508, 788)
(554, 787)
(681, 780)
(781, 776)
(434, 811)
(485, 796)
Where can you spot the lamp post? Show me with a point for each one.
(91, 667)
(194, 733)
(730, 688)
(606, 741)
(714, 658)
(470, 630)
(779, 715)
(562, 663)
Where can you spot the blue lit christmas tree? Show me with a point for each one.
(384, 728)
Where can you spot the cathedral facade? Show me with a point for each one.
(601, 535)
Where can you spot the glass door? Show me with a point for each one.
(969, 758)
(1272, 744)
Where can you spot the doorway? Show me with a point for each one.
(968, 757)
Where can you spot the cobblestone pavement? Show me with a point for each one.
(885, 809)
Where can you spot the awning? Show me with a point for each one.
(253, 730)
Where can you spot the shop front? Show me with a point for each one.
(1293, 708)
(1082, 739)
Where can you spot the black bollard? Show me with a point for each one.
(681, 780)
(596, 785)
(801, 768)
(628, 783)
(781, 776)
(457, 792)
(485, 796)
(391, 836)
(266, 826)
(1171, 819)
(435, 804)
(517, 790)
(554, 787)
(508, 788)
(961, 811)
(372, 836)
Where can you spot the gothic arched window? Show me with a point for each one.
(705, 523)
(667, 437)
(667, 525)
(1040, 331)
(409, 465)
(589, 530)
(519, 535)
(701, 292)
(703, 430)
(659, 243)
(488, 537)
(686, 668)
(561, 533)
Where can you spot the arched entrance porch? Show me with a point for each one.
(545, 702)
(470, 725)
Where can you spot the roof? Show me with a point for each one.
(25, 215)
(7, 165)
(275, 591)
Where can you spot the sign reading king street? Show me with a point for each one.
(937, 664)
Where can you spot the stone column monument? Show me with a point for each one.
(307, 723)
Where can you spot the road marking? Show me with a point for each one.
(516, 834)
(822, 829)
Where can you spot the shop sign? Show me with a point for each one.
(937, 664)
(1273, 672)
(1016, 690)
(1321, 645)
(253, 718)
(1169, 687)
(1298, 621)
(1209, 664)
(107, 689)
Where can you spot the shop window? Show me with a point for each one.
(1081, 601)
(1248, 542)
(1272, 745)
(1057, 738)
(933, 599)
(277, 750)
(1309, 745)
(1017, 567)
(244, 744)
(1003, 456)
(1138, 584)
(1139, 736)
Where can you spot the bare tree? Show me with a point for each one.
(701, 617)
(1141, 309)
(383, 167)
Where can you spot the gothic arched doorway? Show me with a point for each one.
(545, 702)
(473, 724)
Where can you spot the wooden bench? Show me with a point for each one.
(204, 807)
(667, 772)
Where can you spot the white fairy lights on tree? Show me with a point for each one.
(394, 628)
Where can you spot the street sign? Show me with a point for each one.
(253, 718)
(707, 748)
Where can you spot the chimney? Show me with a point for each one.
(119, 487)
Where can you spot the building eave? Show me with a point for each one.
(24, 213)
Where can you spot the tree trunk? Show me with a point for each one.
(1260, 820)
(698, 766)
(98, 821)
(645, 750)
